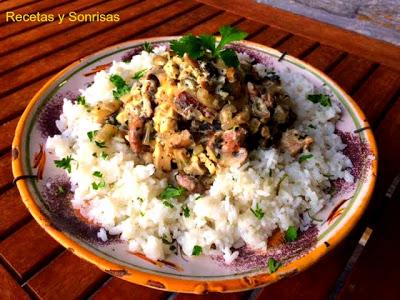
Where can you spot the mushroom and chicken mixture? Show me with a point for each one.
(191, 117)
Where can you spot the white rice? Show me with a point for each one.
(129, 204)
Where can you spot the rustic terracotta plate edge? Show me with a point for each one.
(170, 282)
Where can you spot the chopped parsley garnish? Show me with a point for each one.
(270, 173)
(121, 87)
(91, 134)
(100, 144)
(312, 126)
(186, 211)
(139, 74)
(140, 199)
(81, 100)
(64, 163)
(322, 99)
(198, 197)
(98, 174)
(147, 47)
(273, 265)
(258, 212)
(61, 190)
(279, 183)
(98, 185)
(197, 250)
(198, 47)
(171, 192)
(104, 155)
(168, 204)
(142, 213)
(305, 157)
(291, 234)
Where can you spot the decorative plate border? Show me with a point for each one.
(188, 284)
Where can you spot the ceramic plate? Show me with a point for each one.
(38, 181)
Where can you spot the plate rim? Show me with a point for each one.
(170, 282)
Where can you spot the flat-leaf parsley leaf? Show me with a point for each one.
(322, 99)
(97, 174)
(139, 74)
(168, 204)
(273, 265)
(186, 211)
(99, 185)
(230, 34)
(258, 212)
(64, 163)
(171, 192)
(121, 87)
(100, 144)
(291, 234)
(198, 47)
(197, 250)
(91, 134)
(305, 157)
(148, 47)
(81, 100)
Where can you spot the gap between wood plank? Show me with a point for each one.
(158, 9)
(16, 114)
(80, 39)
(53, 4)
(81, 9)
(16, 7)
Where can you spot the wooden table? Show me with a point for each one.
(34, 265)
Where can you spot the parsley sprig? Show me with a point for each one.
(291, 234)
(258, 212)
(273, 265)
(198, 47)
(322, 99)
(91, 134)
(81, 100)
(197, 250)
(64, 163)
(186, 211)
(121, 87)
(147, 47)
(101, 184)
(139, 74)
(305, 157)
(171, 192)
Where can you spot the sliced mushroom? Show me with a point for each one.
(135, 133)
(148, 128)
